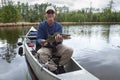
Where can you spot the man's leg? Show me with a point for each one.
(65, 52)
(44, 55)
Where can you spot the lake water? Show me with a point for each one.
(96, 48)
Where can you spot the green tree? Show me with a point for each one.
(9, 13)
(0, 15)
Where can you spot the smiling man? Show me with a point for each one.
(50, 27)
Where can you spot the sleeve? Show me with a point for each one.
(40, 33)
(59, 29)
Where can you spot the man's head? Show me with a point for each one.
(50, 13)
(50, 8)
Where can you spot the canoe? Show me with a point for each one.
(73, 70)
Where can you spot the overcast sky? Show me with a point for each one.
(76, 4)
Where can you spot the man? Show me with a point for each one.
(50, 27)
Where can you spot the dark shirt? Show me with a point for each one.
(44, 30)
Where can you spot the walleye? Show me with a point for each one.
(51, 38)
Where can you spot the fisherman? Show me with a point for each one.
(56, 48)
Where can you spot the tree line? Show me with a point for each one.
(23, 12)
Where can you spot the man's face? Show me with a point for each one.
(50, 15)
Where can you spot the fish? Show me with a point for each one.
(51, 38)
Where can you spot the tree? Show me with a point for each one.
(110, 5)
(10, 13)
(0, 15)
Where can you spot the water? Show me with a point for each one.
(12, 65)
(96, 48)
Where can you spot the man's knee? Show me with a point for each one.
(69, 51)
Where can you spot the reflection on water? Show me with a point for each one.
(96, 48)
(32, 74)
(96, 34)
(12, 66)
(7, 53)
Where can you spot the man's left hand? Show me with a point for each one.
(58, 38)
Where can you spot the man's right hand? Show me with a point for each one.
(44, 43)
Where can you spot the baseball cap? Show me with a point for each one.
(50, 8)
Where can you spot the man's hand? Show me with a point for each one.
(44, 42)
(58, 38)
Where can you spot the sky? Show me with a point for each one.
(76, 4)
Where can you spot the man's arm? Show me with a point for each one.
(40, 36)
(58, 37)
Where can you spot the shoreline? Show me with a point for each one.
(63, 23)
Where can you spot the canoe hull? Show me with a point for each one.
(74, 71)
(41, 72)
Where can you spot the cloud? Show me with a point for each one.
(90, 3)
(76, 4)
(61, 3)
